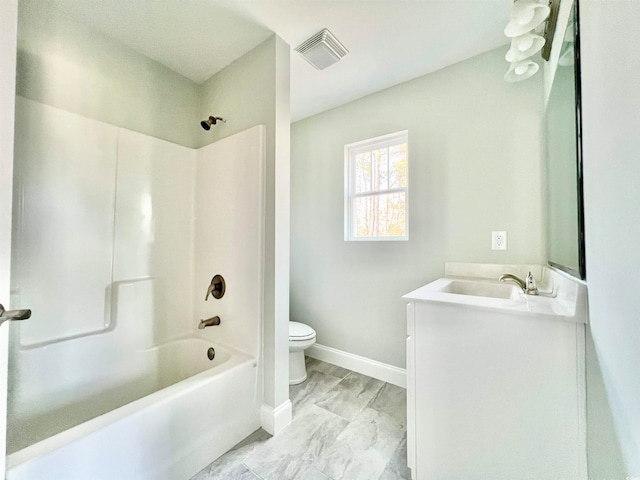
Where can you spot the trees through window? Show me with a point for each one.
(376, 188)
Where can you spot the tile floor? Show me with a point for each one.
(345, 426)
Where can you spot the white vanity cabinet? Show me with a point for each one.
(493, 393)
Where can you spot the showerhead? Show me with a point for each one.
(206, 124)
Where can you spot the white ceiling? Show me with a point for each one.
(390, 41)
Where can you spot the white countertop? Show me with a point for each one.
(561, 297)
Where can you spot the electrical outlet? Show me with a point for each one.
(498, 240)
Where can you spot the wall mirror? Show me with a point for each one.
(565, 212)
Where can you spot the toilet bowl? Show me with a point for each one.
(301, 337)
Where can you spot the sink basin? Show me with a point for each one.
(480, 289)
(560, 296)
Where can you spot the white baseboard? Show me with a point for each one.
(275, 419)
(366, 366)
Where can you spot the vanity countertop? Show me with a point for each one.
(561, 297)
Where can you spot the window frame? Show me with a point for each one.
(369, 145)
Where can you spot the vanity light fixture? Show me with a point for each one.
(526, 19)
(524, 46)
(526, 15)
(519, 71)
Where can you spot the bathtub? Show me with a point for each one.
(190, 411)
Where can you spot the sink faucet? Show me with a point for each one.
(528, 286)
(209, 322)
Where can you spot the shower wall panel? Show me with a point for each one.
(229, 214)
(154, 232)
(64, 196)
(97, 207)
(103, 255)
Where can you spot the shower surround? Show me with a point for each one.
(117, 236)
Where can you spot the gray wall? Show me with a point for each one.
(64, 64)
(474, 166)
(604, 455)
(611, 143)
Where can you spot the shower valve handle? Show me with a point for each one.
(217, 287)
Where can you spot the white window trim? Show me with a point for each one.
(367, 145)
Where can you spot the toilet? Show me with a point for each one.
(301, 337)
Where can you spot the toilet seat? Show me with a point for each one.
(299, 332)
(301, 337)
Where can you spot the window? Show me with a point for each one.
(376, 188)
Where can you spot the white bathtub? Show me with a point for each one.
(193, 410)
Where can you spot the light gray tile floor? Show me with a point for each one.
(345, 426)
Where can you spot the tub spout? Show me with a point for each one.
(209, 322)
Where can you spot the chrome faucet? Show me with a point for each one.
(209, 322)
(528, 286)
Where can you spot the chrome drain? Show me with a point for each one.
(211, 353)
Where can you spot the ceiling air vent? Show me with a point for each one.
(322, 50)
